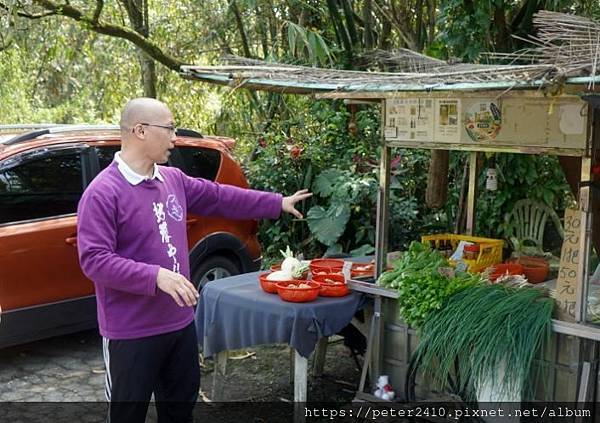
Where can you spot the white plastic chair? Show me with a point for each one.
(526, 224)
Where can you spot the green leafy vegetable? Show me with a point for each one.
(423, 289)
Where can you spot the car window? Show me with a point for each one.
(42, 186)
(200, 162)
(106, 154)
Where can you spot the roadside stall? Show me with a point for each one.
(550, 107)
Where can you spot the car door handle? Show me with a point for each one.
(72, 240)
(191, 222)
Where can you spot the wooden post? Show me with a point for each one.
(472, 193)
(381, 235)
(437, 180)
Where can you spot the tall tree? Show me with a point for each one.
(137, 10)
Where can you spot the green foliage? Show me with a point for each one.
(345, 190)
(466, 31)
(422, 287)
(303, 42)
(56, 70)
(314, 140)
(520, 176)
(482, 329)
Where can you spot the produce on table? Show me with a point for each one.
(482, 329)
(280, 275)
(291, 267)
(419, 278)
(301, 286)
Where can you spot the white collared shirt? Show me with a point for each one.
(133, 177)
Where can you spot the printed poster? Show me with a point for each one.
(409, 119)
(447, 126)
(483, 121)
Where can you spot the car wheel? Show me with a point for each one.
(213, 268)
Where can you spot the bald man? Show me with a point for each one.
(132, 242)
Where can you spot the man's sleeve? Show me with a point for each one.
(96, 243)
(206, 198)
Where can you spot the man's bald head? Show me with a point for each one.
(142, 110)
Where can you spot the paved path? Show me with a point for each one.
(66, 368)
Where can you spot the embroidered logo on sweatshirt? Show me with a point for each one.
(174, 209)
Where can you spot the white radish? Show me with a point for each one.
(280, 275)
(290, 263)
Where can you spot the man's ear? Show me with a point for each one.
(139, 131)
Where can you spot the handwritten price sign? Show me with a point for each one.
(566, 284)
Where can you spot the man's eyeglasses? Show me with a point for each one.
(171, 128)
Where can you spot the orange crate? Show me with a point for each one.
(490, 249)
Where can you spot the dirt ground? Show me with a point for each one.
(265, 375)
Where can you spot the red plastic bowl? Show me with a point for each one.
(535, 268)
(505, 268)
(328, 289)
(298, 295)
(326, 266)
(267, 285)
(276, 267)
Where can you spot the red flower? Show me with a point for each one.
(295, 152)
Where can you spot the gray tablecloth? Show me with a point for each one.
(235, 312)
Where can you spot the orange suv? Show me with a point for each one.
(43, 173)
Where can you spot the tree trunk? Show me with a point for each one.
(368, 19)
(137, 10)
(262, 31)
(339, 27)
(432, 8)
(240, 25)
(349, 13)
(437, 181)
(419, 26)
(386, 32)
(502, 41)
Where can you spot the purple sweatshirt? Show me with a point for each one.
(126, 232)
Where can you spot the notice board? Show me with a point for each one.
(566, 284)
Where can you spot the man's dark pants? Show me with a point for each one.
(165, 364)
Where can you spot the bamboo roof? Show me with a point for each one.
(566, 50)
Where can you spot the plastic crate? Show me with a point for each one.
(490, 250)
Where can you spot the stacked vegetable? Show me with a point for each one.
(425, 282)
(484, 329)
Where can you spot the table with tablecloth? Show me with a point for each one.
(234, 313)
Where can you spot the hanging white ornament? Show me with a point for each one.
(491, 182)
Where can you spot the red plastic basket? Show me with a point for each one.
(318, 266)
(362, 270)
(298, 295)
(505, 268)
(328, 289)
(267, 285)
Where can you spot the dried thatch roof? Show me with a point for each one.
(566, 47)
